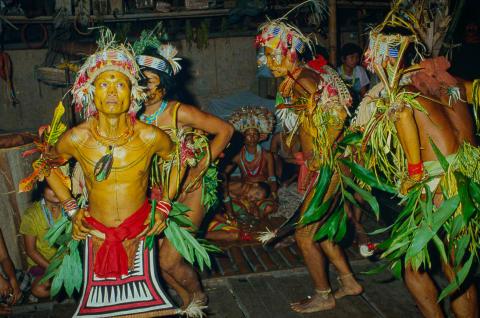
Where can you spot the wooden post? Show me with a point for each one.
(332, 31)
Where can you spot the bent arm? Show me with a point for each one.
(33, 253)
(407, 131)
(221, 130)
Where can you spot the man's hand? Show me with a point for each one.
(5, 288)
(81, 228)
(157, 227)
(17, 293)
(409, 182)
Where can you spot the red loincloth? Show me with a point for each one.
(111, 259)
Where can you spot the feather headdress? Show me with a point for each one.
(287, 39)
(165, 60)
(256, 117)
(110, 56)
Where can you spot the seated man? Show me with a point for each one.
(10, 292)
(36, 222)
(256, 164)
(248, 197)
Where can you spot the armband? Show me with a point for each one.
(70, 207)
(415, 169)
(163, 207)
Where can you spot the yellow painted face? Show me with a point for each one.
(154, 93)
(276, 62)
(112, 92)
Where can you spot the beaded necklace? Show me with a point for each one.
(47, 213)
(151, 119)
(248, 160)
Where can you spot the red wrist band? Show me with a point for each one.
(163, 207)
(414, 169)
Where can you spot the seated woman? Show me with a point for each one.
(36, 222)
(256, 164)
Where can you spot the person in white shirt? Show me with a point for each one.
(353, 74)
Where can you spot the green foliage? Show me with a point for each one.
(192, 249)
(65, 268)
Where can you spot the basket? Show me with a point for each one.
(196, 4)
(53, 76)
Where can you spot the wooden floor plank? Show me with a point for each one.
(239, 259)
(292, 259)
(383, 290)
(252, 259)
(246, 298)
(271, 297)
(264, 258)
(222, 303)
(225, 266)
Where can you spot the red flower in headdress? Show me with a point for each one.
(318, 63)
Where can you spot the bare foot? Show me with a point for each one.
(200, 298)
(320, 301)
(348, 286)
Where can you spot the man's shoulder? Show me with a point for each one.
(147, 132)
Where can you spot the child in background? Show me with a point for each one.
(353, 74)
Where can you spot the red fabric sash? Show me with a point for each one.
(111, 259)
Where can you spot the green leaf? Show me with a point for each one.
(320, 188)
(457, 225)
(458, 280)
(342, 228)
(365, 195)
(475, 191)
(57, 283)
(425, 233)
(441, 158)
(445, 211)
(313, 215)
(468, 207)
(351, 139)
(56, 230)
(382, 230)
(175, 238)
(368, 177)
(397, 269)
(351, 198)
(181, 220)
(334, 223)
(462, 245)
(441, 248)
(376, 270)
(323, 231)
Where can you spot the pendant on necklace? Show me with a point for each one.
(104, 165)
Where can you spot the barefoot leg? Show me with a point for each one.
(424, 292)
(348, 284)
(465, 302)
